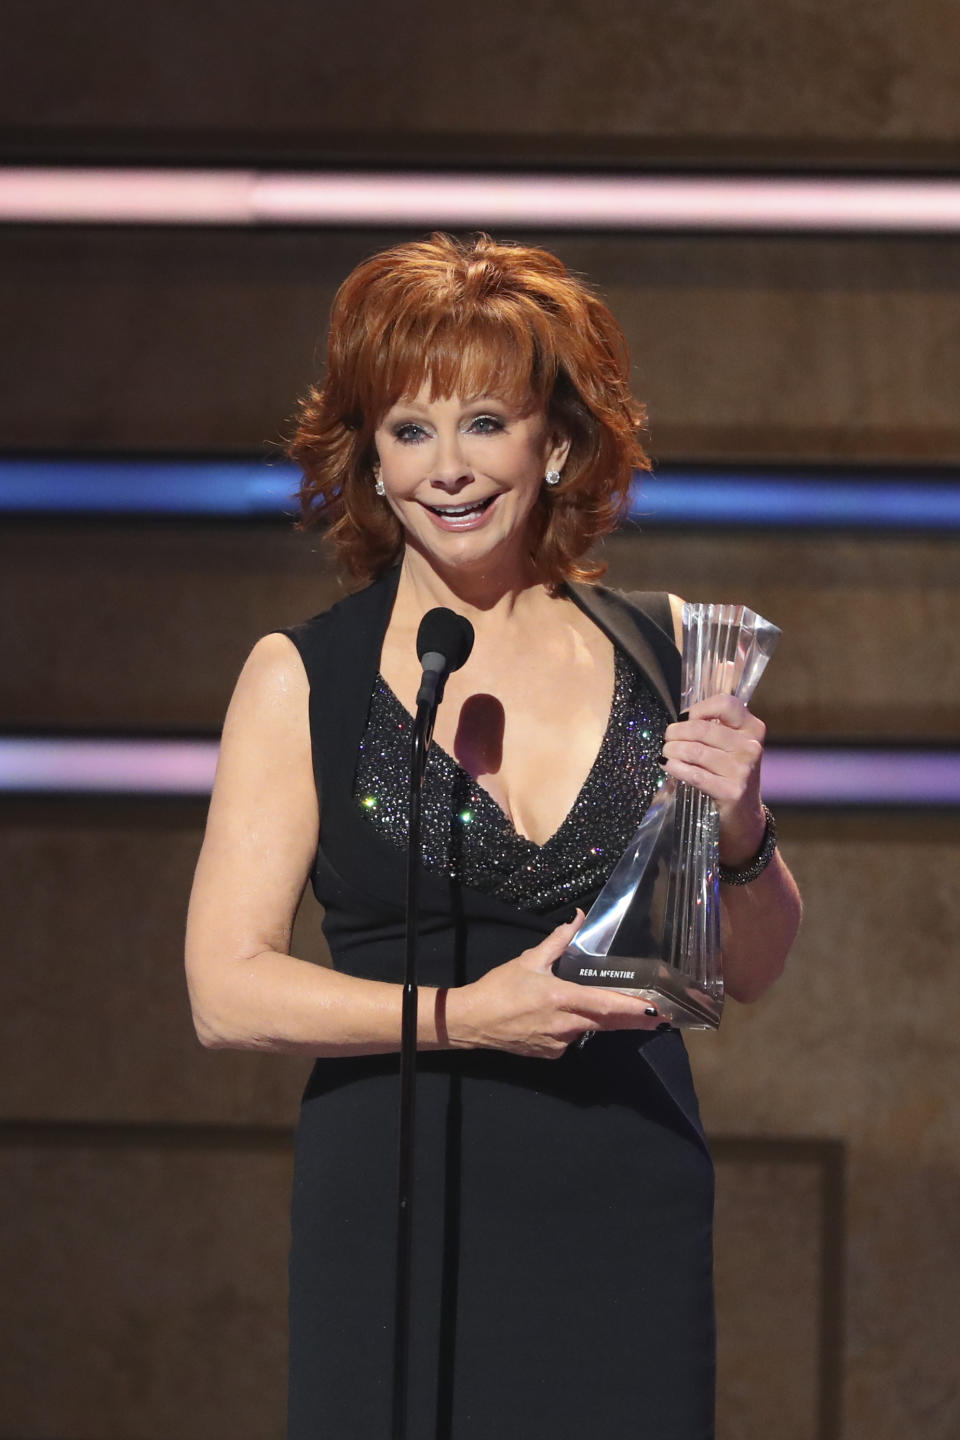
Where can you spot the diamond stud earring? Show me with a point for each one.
(380, 488)
(552, 477)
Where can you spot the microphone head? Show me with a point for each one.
(443, 632)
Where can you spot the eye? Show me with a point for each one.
(487, 425)
(409, 433)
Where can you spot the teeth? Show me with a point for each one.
(457, 509)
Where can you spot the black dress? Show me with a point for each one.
(563, 1209)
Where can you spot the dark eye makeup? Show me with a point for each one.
(410, 432)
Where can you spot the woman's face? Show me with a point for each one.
(462, 476)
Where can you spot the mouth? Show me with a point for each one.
(461, 517)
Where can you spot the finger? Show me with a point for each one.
(588, 1025)
(603, 1008)
(748, 738)
(735, 766)
(543, 955)
(644, 1021)
(740, 759)
(728, 788)
(720, 720)
(730, 710)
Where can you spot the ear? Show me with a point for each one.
(557, 457)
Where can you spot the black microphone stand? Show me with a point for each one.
(422, 735)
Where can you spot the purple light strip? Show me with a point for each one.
(569, 202)
(793, 775)
(114, 767)
(815, 776)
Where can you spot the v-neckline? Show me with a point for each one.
(504, 818)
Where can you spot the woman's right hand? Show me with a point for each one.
(522, 1007)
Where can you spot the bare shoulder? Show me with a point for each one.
(270, 698)
(676, 610)
(272, 675)
(265, 745)
(262, 825)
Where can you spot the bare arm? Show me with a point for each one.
(720, 750)
(247, 992)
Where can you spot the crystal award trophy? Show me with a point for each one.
(654, 929)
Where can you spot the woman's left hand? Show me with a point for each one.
(719, 748)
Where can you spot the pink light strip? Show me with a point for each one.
(95, 766)
(601, 202)
(794, 775)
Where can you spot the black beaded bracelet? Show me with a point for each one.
(743, 874)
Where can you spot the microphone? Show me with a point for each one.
(444, 642)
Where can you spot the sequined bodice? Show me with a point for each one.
(466, 835)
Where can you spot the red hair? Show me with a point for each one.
(470, 319)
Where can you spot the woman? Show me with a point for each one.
(473, 436)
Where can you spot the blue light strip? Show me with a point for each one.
(826, 776)
(871, 500)
(774, 500)
(105, 486)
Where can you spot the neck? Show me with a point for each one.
(482, 595)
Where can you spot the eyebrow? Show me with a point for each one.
(483, 402)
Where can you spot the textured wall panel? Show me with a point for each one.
(869, 645)
(858, 1042)
(94, 1016)
(759, 349)
(772, 1228)
(147, 626)
(148, 1287)
(148, 1275)
(702, 78)
(855, 1045)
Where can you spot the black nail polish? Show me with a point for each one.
(683, 716)
(661, 759)
(569, 918)
(665, 1026)
(650, 1010)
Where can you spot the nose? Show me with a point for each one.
(450, 471)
